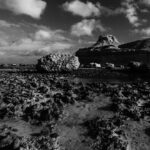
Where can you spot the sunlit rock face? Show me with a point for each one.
(107, 41)
(58, 62)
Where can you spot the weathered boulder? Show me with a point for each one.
(58, 62)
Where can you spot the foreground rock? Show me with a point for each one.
(49, 101)
(107, 134)
(9, 140)
(58, 62)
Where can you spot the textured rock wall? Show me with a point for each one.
(58, 62)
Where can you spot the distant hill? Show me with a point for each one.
(137, 45)
(107, 49)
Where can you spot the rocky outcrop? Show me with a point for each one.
(108, 41)
(103, 44)
(108, 50)
(58, 62)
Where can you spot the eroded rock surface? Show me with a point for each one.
(58, 62)
(73, 115)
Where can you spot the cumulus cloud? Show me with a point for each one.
(4, 23)
(82, 9)
(33, 8)
(90, 9)
(47, 34)
(42, 34)
(146, 2)
(29, 47)
(144, 32)
(36, 40)
(130, 10)
(86, 27)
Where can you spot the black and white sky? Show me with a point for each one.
(32, 28)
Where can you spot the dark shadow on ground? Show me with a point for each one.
(147, 131)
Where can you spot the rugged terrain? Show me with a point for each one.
(47, 111)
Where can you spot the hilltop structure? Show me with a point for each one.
(108, 50)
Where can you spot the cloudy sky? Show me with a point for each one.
(30, 29)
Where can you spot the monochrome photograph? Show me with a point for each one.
(74, 74)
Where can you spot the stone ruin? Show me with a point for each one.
(58, 62)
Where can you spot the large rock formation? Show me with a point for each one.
(108, 50)
(103, 44)
(58, 62)
(108, 41)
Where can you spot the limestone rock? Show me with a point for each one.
(106, 41)
(58, 62)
